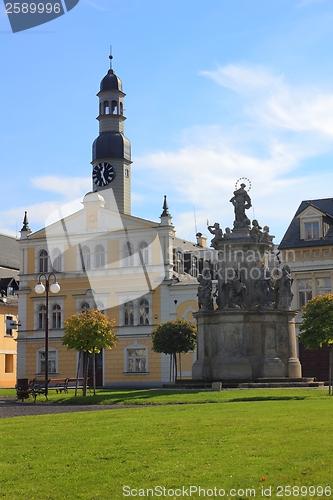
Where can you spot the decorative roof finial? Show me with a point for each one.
(25, 223)
(25, 231)
(165, 212)
(111, 57)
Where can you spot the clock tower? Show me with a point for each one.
(111, 151)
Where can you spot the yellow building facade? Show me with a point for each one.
(8, 335)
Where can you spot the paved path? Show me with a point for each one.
(10, 407)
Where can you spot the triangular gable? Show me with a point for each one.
(310, 212)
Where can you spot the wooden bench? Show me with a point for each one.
(72, 383)
(37, 387)
(58, 384)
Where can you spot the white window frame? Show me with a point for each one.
(323, 290)
(39, 353)
(9, 331)
(309, 222)
(86, 256)
(46, 263)
(56, 262)
(128, 253)
(136, 310)
(128, 306)
(99, 257)
(56, 311)
(127, 358)
(143, 249)
(307, 291)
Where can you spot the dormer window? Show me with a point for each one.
(311, 230)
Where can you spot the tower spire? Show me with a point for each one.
(165, 215)
(165, 212)
(25, 231)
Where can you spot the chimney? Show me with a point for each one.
(201, 240)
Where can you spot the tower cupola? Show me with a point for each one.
(111, 150)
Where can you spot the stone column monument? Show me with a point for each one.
(249, 333)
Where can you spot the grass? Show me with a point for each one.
(169, 396)
(258, 439)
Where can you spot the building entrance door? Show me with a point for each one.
(99, 369)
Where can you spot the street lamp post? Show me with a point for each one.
(40, 288)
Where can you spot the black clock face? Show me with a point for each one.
(103, 174)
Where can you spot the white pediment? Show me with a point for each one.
(310, 213)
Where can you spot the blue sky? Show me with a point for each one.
(216, 91)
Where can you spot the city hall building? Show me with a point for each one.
(135, 270)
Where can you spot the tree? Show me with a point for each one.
(317, 326)
(89, 332)
(174, 337)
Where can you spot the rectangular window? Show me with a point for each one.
(304, 292)
(9, 330)
(52, 362)
(9, 363)
(311, 230)
(136, 360)
(323, 286)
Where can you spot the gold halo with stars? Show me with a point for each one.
(246, 181)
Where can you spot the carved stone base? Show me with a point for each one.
(273, 368)
(246, 345)
(231, 369)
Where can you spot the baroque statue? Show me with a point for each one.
(205, 299)
(218, 234)
(241, 202)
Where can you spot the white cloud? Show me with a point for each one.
(274, 102)
(242, 78)
(282, 127)
(68, 187)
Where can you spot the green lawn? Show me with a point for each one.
(169, 396)
(254, 439)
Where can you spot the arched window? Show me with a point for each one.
(129, 313)
(56, 259)
(144, 312)
(41, 317)
(106, 107)
(99, 257)
(86, 257)
(85, 306)
(144, 253)
(194, 266)
(121, 108)
(179, 263)
(43, 261)
(56, 316)
(128, 253)
(114, 107)
(100, 306)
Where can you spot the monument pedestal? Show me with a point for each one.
(236, 344)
